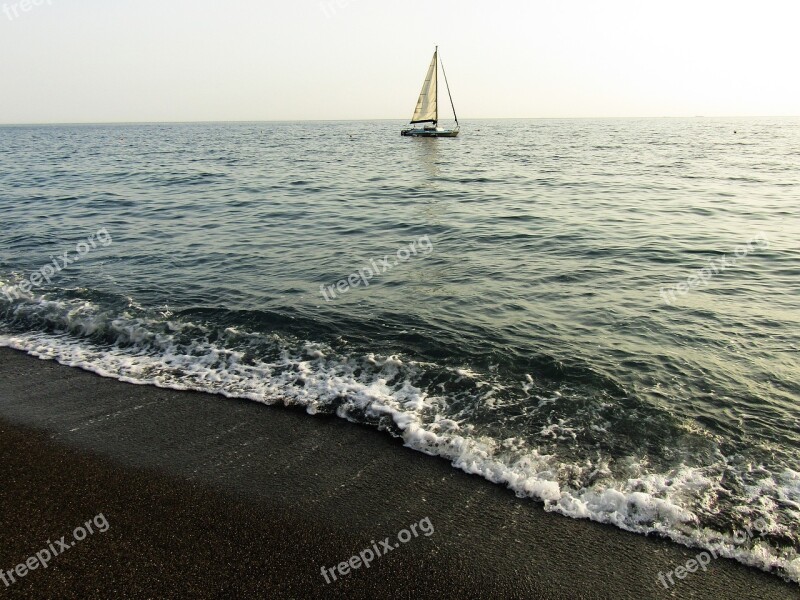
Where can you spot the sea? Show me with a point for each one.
(602, 315)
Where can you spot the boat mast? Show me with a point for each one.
(436, 76)
(448, 91)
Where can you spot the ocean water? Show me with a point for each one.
(507, 300)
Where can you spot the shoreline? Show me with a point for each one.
(207, 495)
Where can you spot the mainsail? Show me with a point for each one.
(427, 106)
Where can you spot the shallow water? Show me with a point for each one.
(524, 326)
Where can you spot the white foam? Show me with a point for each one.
(314, 376)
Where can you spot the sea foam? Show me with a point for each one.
(384, 391)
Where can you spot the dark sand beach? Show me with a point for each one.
(209, 497)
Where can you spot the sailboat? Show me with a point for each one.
(427, 110)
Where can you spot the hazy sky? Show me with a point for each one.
(182, 60)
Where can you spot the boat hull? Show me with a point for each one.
(447, 133)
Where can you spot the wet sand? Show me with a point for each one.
(209, 497)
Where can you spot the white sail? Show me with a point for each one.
(427, 110)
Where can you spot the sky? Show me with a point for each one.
(76, 61)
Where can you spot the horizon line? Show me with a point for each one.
(197, 122)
